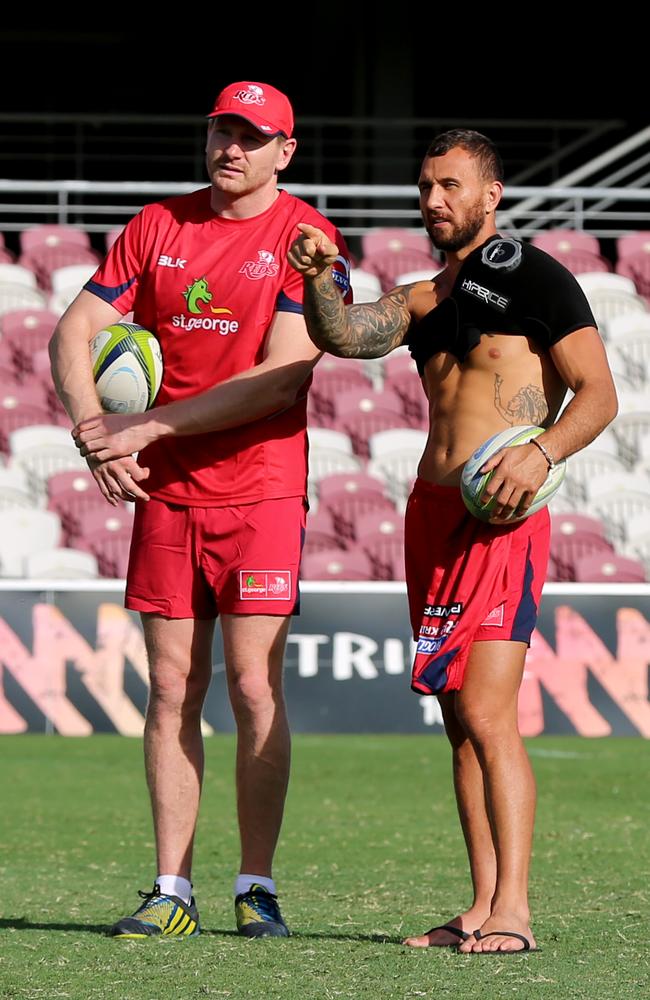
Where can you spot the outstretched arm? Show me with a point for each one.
(367, 330)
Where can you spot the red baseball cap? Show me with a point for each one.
(268, 109)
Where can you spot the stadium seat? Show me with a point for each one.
(588, 464)
(388, 264)
(578, 252)
(366, 287)
(554, 241)
(574, 536)
(106, 532)
(330, 452)
(70, 494)
(618, 501)
(636, 266)
(628, 350)
(394, 240)
(52, 235)
(19, 296)
(21, 406)
(380, 533)
(394, 458)
(27, 331)
(331, 377)
(61, 564)
(361, 413)
(336, 564)
(42, 450)
(321, 533)
(16, 274)
(112, 554)
(15, 490)
(67, 282)
(630, 244)
(346, 497)
(605, 567)
(44, 259)
(422, 274)
(628, 428)
(389, 252)
(401, 376)
(610, 295)
(23, 532)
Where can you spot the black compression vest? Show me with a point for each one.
(503, 286)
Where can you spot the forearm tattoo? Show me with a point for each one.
(368, 330)
(527, 406)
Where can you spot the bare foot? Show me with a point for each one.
(441, 937)
(495, 936)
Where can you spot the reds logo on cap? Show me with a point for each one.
(265, 107)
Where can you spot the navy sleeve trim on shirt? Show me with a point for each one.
(285, 304)
(105, 292)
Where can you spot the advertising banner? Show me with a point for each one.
(73, 661)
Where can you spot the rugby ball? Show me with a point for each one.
(473, 481)
(127, 367)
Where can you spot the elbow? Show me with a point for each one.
(611, 405)
(286, 396)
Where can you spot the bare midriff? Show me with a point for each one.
(504, 381)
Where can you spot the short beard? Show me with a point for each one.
(461, 236)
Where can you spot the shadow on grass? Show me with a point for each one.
(21, 924)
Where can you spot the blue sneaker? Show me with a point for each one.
(167, 915)
(258, 914)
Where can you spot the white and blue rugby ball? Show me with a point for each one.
(473, 481)
(127, 367)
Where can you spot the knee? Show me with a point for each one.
(253, 695)
(175, 689)
(478, 724)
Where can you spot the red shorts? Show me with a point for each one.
(194, 562)
(467, 581)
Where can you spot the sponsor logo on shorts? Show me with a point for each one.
(442, 610)
(500, 302)
(446, 629)
(430, 645)
(432, 637)
(263, 267)
(265, 585)
(495, 617)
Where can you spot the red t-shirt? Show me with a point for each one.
(209, 287)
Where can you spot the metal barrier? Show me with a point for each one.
(99, 206)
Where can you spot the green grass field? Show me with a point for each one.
(371, 850)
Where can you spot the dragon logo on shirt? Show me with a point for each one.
(196, 295)
(197, 292)
(263, 267)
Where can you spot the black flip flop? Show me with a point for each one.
(510, 951)
(463, 935)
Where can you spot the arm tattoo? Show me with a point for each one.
(368, 330)
(527, 406)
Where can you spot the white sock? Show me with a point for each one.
(175, 885)
(244, 882)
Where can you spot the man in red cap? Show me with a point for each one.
(219, 481)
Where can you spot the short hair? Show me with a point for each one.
(476, 144)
